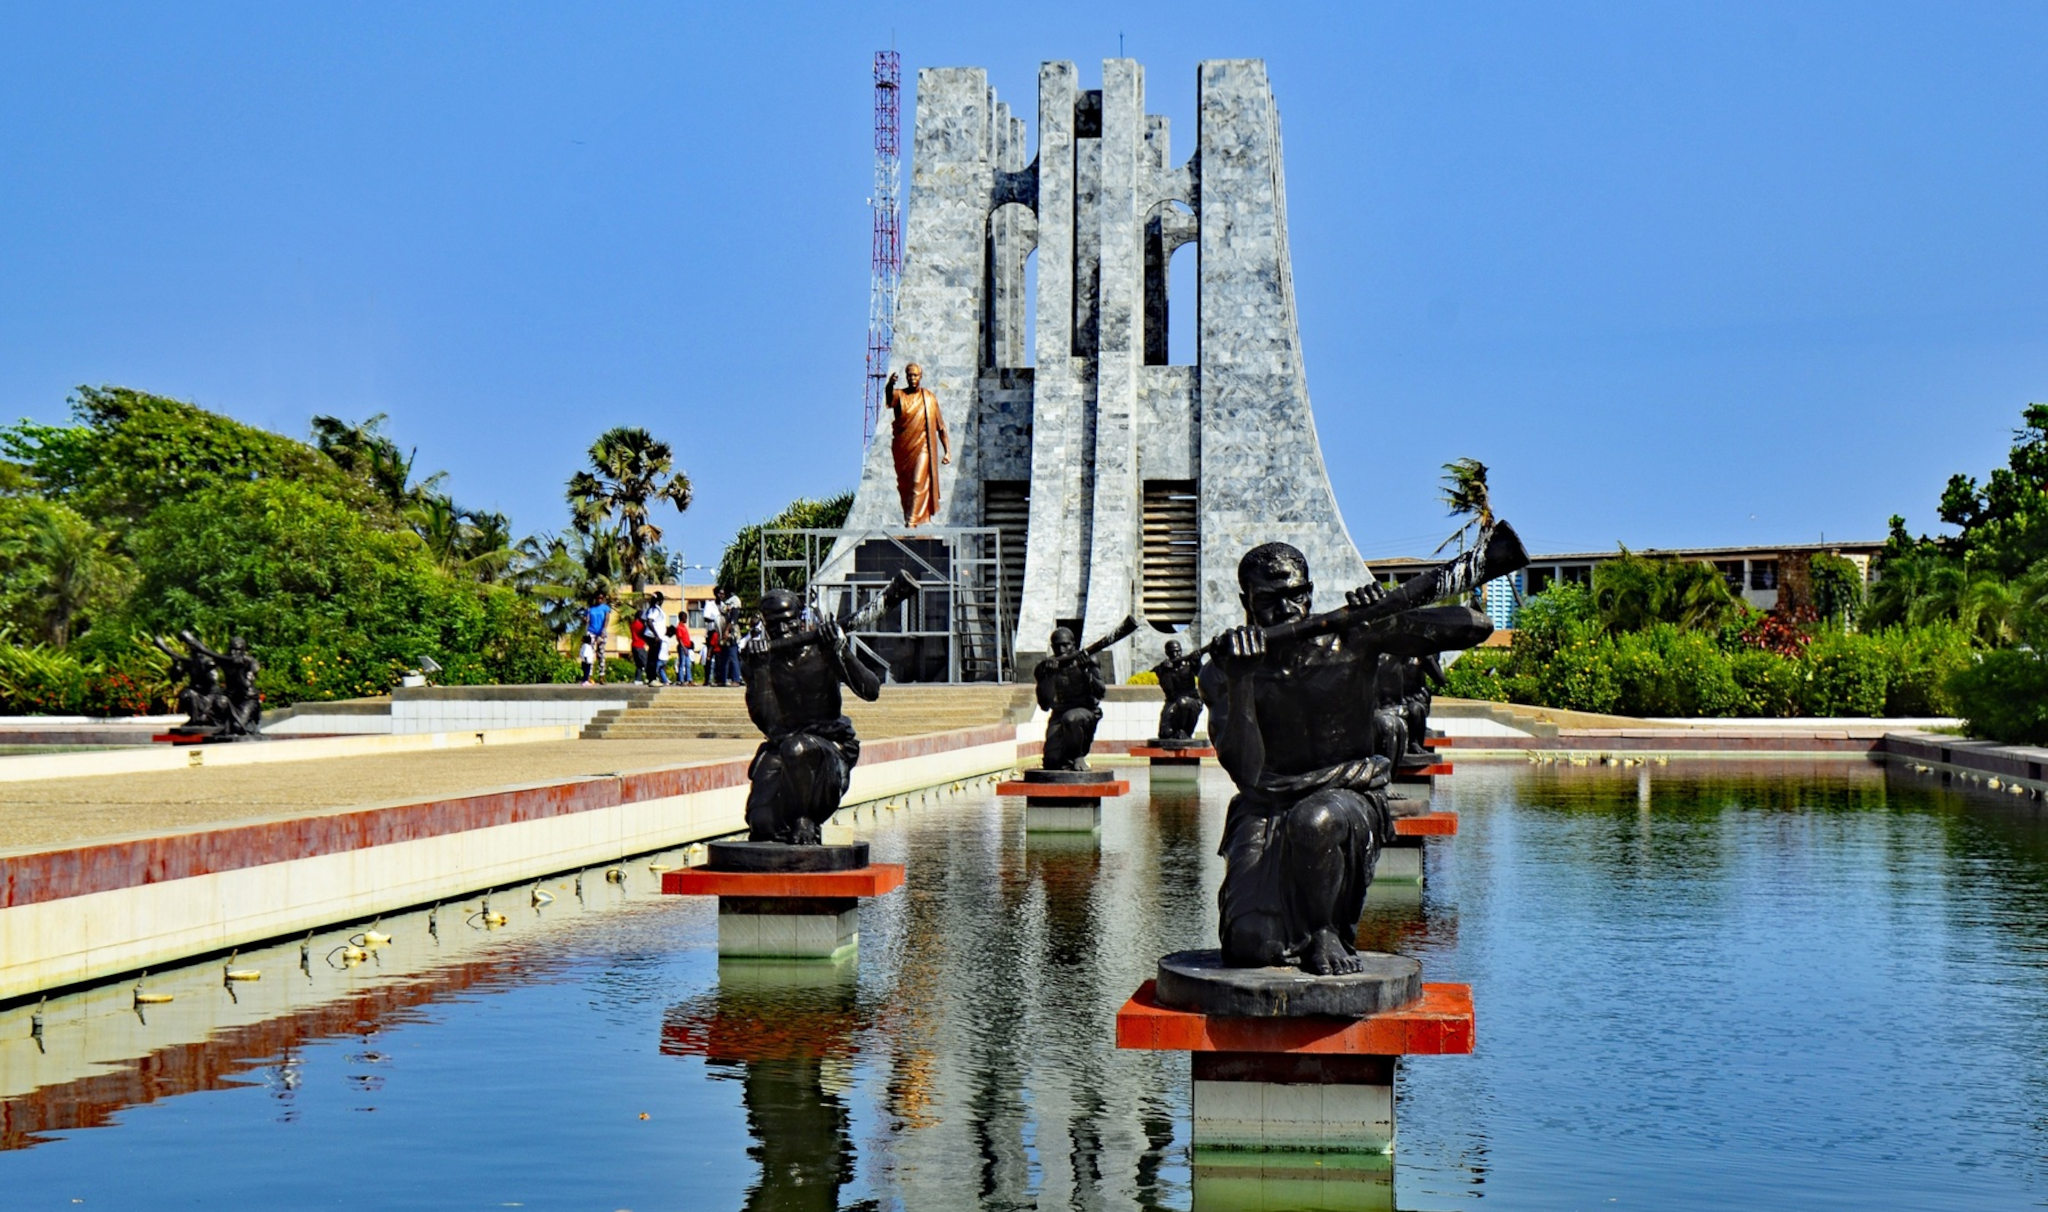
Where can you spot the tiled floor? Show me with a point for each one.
(57, 812)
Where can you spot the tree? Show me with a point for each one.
(1465, 493)
(739, 569)
(1633, 592)
(132, 452)
(335, 606)
(1837, 587)
(59, 570)
(632, 471)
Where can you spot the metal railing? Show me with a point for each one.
(955, 629)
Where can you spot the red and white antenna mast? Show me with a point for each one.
(885, 266)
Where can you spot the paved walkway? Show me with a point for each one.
(50, 813)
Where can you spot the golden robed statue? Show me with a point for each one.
(919, 429)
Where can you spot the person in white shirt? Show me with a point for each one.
(654, 622)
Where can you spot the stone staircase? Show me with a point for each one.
(680, 712)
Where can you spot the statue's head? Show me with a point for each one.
(239, 645)
(913, 374)
(1273, 584)
(1063, 642)
(1173, 650)
(781, 611)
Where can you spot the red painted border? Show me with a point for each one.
(1427, 824)
(1066, 791)
(875, 879)
(51, 875)
(1146, 751)
(1440, 1023)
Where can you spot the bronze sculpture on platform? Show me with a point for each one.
(1070, 689)
(1183, 709)
(1291, 698)
(220, 698)
(917, 433)
(793, 675)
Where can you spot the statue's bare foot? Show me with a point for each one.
(1326, 955)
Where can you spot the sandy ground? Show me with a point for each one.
(68, 811)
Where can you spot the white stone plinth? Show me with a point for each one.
(828, 935)
(1399, 864)
(1083, 817)
(1294, 1116)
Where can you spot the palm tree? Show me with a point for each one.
(79, 572)
(1465, 493)
(632, 470)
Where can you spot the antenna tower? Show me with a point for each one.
(885, 266)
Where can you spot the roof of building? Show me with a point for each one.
(1767, 550)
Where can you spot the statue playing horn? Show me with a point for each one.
(1291, 697)
(918, 432)
(1070, 690)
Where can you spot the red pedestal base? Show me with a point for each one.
(1439, 1023)
(874, 879)
(1428, 824)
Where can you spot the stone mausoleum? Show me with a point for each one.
(1130, 485)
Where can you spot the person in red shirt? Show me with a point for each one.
(639, 633)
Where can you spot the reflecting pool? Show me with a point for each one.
(1776, 984)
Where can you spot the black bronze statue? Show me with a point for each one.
(233, 710)
(1070, 688)
(1177, 674)
(793, 676)
(1406, 688)
(1291, 698)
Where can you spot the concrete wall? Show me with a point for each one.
(92, 912)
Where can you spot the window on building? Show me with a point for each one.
(1539, 579)
(1763, 574)
(1576, 574)
(1731, 572)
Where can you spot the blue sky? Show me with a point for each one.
(1681, 274)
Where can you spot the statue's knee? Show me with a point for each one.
(1324, 819)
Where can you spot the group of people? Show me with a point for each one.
(658, 643)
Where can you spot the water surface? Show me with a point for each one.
(1781, 985)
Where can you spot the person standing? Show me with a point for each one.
(596, 621)
(686, 652)
(636, 631)
(714, 654)
(654, 622)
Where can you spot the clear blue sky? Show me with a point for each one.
(1681, 274)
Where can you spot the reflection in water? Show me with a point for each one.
(786, 1032)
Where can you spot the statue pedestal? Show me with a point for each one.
(1174, 759)
(1301, 1083)
(784, 902)
(1401, 858)
(1064, 801)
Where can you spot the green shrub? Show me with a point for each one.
(1769, 685)
(40, 681)
(1580, 676)
(1481, 673)
(2004, 696)
(1701, 677)
(1924, 659)
(1847, 675)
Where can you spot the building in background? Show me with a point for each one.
(1762, 576)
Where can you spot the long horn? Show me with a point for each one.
(1499, 553)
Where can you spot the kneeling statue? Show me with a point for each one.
(793, 674)
(1183, 707)
(1292, 718)
(1070, 689)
